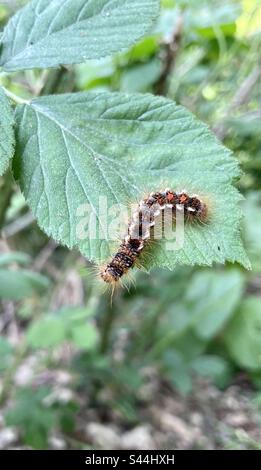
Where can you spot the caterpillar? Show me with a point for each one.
(141, 224)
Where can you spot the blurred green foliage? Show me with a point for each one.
(189, 322)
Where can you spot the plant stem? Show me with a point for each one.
(6, 187)
(109, 315)
(171, 49)
(59, 81)
(15, 98)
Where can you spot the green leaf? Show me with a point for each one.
(213, 18)
(74, 149)
(6, 351)
(74, 315)
(46, 333)
(17, 285)
(177, 371)
(212, 297)
(252, 225)
(7, 138)
(69, 324)
(144, 49)
(94, 72)
(213, 367)
(14, 257)
(47, 33)
(84, 336)
(243, 335)
(31, 416)
(141, 77)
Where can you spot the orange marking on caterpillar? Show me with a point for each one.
(140, 226)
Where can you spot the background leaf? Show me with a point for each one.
(47, 33)
(252, 226)
(17, 285)
(35, 418)
(14, 257)
(6, 351)
(67, 324)
(46, 333)
(7, 139)
(140, 77)
(243, 336)
(84, 336)
(72, 149)
(214, 367)
(212, 298)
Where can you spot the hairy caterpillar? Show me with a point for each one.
(140, 226)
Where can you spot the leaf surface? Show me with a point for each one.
(7, 139)
(77, 150)
(47, 33)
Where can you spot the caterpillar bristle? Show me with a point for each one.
(141, 228)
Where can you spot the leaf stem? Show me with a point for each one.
(14, 97)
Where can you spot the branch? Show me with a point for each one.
(44, 255)
(170, 55)
(18, 225)
(15, 98)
